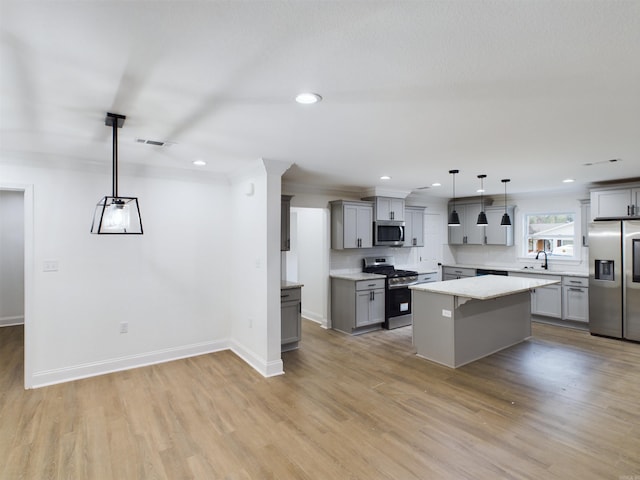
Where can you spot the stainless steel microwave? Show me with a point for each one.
(389, 233)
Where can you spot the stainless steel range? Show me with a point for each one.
(397, 294)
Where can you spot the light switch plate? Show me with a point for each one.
(446, 313)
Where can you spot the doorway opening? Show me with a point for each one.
(16, 263)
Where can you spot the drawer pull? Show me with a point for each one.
(576, 289)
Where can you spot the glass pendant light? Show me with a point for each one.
(482, 217)
(506, 221)
(454, 218)
(115, 214)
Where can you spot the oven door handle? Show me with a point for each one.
(404, 285)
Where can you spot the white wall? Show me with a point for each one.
(310, 249)
(166, 283)
(11, 257)
(254, 309)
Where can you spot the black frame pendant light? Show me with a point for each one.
(482, 217)
(454, 218)
(116, 215)
(506, 220)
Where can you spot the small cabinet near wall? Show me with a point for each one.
(413, 227)
(351, 224)
(615, 203)
(575, 299)
(357, 306)
(285, 222)
(290, 318)
(388, 208)
(496, 234)
(468, 232)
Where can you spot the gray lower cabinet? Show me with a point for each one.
(547, 301)
(290, 318)
(357, 306)
(575, 299)
(455, 273)
(428, 277)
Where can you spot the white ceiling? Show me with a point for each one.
(530, 90)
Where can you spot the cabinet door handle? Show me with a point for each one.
(628, 209)
(584, 241)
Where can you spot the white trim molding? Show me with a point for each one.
(266, 369)
(11, 321)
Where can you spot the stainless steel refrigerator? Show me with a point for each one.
(614, 278)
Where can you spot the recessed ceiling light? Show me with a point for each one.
(436, 184)
(480, 190)
(568, 180)
(199, 163)
(385, 177)
(308, 98)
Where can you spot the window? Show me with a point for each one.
(552, 232)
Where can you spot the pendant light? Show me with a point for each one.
(506, 221)
(115, 214)
(454, 219)
(482, 217)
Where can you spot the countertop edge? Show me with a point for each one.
(457, 292)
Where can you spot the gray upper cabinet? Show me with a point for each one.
(496, 234)
(615, 203)
(467, 233)
(351, 224)
(285, 223)
(388, 208)
(413, 227)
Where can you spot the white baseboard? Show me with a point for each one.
(315, 317)
(11, 321)
(266, 369)
(77, 372)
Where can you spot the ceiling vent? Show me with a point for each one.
(156, 143)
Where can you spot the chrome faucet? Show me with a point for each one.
(545, 265)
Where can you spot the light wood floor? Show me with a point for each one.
(564, 405)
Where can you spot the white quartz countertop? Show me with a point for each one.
(287, 285)
(484, 287)
(532, 270)
(357, 276)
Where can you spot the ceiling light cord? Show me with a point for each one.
(114, 145)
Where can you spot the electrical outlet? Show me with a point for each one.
(50, 266)
(124, 327)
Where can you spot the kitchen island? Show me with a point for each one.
(458, 321)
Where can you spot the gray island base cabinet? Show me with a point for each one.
(458, 321)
